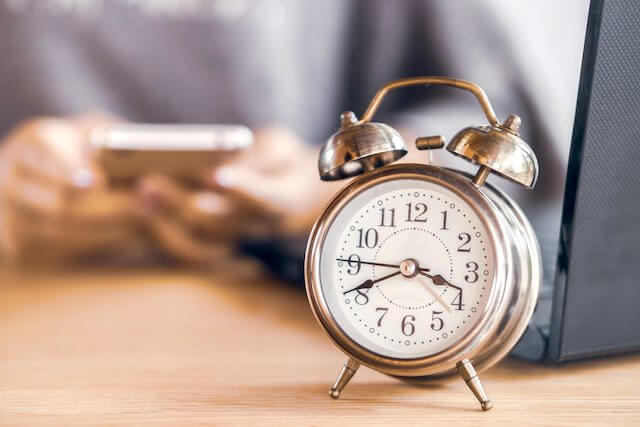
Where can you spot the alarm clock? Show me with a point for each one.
(419, 271)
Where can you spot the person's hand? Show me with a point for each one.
(54, 200)
(271, 189)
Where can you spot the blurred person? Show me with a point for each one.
(283, 67)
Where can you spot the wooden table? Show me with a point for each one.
(149, 347)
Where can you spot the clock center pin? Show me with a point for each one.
(409, 268)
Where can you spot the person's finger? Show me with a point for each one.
(46, 203)
(207, 211)
(178, 241)
(250, 189)
(35, 164)
(54, 151)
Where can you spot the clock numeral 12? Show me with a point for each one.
(421, 212)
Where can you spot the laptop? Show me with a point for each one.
(589, 303)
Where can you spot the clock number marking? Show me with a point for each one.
(362, 298)
(368, 238)
(466, 238)
(421, 210)
(473, 270)
(384, 311)
(436, 320)
(444, 220)
(457, 301)
(354, 263)
(408, 328)
(392, 214)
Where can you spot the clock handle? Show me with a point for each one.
(470, 377)
(431, 80)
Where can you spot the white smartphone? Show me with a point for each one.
(129, 150)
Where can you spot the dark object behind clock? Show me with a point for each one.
(593, 308)
(590, 299)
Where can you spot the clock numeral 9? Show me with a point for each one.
(421, 212)
(354, 263)
(437, 323)
(473, 270)
(368, 238)
(466, 239)
(407, 326)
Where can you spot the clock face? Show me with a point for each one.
(407, 268)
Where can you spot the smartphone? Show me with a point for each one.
(129, 150)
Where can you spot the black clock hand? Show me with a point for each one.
(438, 280)
(379, 264)
(367, 284)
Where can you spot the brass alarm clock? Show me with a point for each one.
(415, 270)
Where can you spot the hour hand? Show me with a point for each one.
(368, 284)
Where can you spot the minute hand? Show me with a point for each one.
(379, 264)
(367, 284)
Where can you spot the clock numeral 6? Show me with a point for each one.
(437, 323)
(368, 238)
(407, 326)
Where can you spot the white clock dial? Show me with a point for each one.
(407, 267)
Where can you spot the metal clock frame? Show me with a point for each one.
(505, 316)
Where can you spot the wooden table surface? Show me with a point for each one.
(166, 347)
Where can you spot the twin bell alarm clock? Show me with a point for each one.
(419, 271)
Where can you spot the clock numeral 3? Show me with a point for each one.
(473, 270)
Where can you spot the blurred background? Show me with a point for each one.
(284, 68)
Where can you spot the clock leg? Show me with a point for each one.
(348, 371)
(470, 377)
